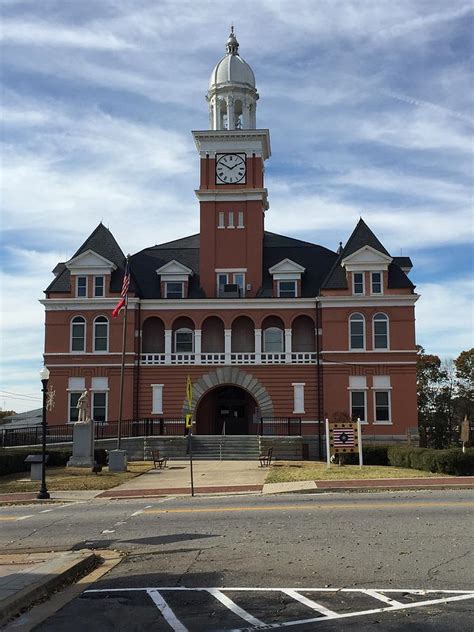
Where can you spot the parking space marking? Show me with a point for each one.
(221, 594)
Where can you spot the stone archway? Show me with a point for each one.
(236, 377)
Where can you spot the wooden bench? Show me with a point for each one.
(266, 458)
(161, 461)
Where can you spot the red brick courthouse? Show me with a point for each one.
(267, 326)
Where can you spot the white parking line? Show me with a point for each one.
(240, 612)
(309, 602)
(384, 598)
(166, 611)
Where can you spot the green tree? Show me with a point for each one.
(428, 378)
(464, 367)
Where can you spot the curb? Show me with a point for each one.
(66, 571)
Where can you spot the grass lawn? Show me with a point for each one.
(72, 478)
(287, 471)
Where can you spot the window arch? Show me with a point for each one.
(356, 332)
(78, 334)
(184, 340)
(101, 334)
(273, 341)
(380, 331)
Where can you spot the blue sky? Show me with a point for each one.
(369, 106)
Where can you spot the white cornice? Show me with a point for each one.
(230, 194)
(393, 300)
(223, 303)
(85, 304)
(249, 140)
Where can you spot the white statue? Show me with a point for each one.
(82, 407)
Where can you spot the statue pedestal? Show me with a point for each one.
(83, 446)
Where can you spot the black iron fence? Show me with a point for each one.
(156, 427)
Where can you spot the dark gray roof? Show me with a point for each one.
(363, 236)
(102, 242)
(403, 262)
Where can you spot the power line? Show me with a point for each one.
(19, 396)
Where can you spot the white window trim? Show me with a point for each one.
(363, 284)
(182, 330)
(243, 284)
(99, 276)
(381, 283)
(240, 219)
(383, 390)
(166, 288)
(93, 394)
(221, 219)
(387, 321)
(287, 281)
(359, 390)
(157, 388)
(218, 274)
(363, 333)
(231, 219)
(81, 276)
(93, 334)
(298, 387)
(70, 334)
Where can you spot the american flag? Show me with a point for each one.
(123, 293)
(343, 437)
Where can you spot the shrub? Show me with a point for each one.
(372, 455)
(450, 461)
(13, 460)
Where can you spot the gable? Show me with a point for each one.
(366, 258)
(174, 267)
(91, 263)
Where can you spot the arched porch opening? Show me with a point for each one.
(227, 409)
(303, 334)
(243, 335)
(213, 335)
(153, 335)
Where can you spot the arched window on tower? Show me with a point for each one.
(380, 331)
(78, 334)
(101, 334)
(356, 332)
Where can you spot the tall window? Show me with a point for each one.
(273, 340)
(231, 220)
(221, 223)
(240, 219)
(81, 287)
(78, 334)
(101, 334)
(222, 280)
(174, 289)
(376, 280)
(382, 406)
(99, 286)
(99, 406)
(357, 331)
(184, 341)
(380, 323)
(286, 289)
(358, 407)
(358, 282)
(239, 279)
(73, 412)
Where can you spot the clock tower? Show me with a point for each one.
(231, 194)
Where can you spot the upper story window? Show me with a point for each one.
(240, 219)
(287, 289)
(380, 327)
(376, 283)
(78, 333)
(81, 286)
(184, 340)
(231, 220)
(221, 221)
(273, 341)
(99, 286)
(228, 278)
(357, 331)
(101, 334)
(174, 289)
(358, 280)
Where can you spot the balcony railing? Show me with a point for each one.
(292, 357)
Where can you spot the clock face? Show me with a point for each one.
(230, 168)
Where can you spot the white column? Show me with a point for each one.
(168, 345)
(288, 346)
(227, 344)
(197, 346)
(230, 113)
(258, 346)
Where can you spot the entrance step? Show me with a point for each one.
(226, 447)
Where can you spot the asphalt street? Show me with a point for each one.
(203, 563)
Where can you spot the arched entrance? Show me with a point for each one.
(227, 409)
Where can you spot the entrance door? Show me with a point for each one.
(232, 411)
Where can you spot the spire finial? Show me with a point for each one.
(232, 45)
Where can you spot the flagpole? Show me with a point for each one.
(122, 369)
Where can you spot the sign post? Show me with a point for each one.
(328, 445)
(189, 427)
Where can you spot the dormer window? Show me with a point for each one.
(376, 283)
(81, 287)
(174, 289)
(99, 286)
(358, 286)
(228, 283)
(287, 289)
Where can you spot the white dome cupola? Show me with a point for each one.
(232, 95)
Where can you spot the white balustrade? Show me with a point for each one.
(241, 358)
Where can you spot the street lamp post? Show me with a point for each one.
(43, 493)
